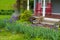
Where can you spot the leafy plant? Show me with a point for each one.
(2, 23)
(33, 32)
(25, 16)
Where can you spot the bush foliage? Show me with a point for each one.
(6, 12)
(25, 16)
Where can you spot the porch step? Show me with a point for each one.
(50, 21)
(47, 23)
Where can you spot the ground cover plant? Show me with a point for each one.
(3, 19)
(33, 32)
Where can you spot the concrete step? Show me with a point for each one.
(47, 23)
(52, 19)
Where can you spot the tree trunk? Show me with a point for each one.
(16, 14)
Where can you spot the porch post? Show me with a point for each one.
(34, 5)
(27, 4)
(43, 8)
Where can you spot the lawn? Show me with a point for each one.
(9, 36)
(6, 4)
(5, 16)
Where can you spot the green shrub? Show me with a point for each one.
(6, 12)
(25, 16)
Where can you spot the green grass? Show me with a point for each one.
(5, 35)
(19, 36)
(9, 36)
(4, 17)
(7, 4)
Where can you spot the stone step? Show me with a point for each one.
(47, 23)
(52, 19)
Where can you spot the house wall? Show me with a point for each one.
(55, 6)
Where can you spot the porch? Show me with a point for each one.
(47, 8)
(49, 13)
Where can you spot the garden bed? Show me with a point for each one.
(24, 31)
